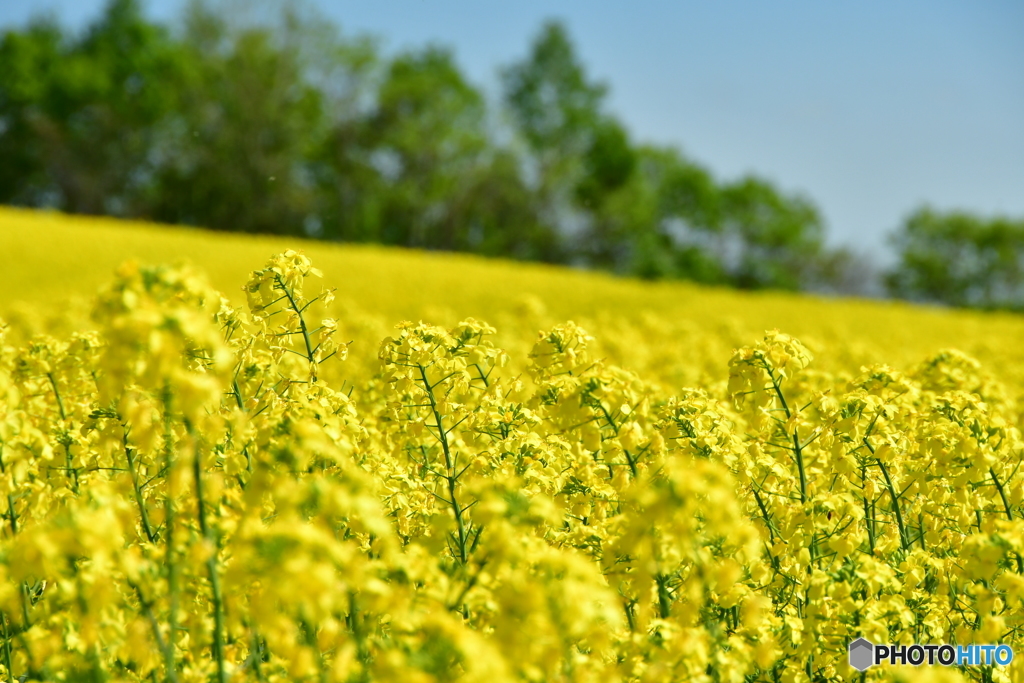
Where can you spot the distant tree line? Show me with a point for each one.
(291, 128)
(959, 259)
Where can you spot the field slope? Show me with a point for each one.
(49, 259)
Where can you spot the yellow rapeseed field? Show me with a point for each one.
(251, 459)
(51, 264)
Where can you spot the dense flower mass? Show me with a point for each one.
(196, 492)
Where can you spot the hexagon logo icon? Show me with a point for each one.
(862, 654)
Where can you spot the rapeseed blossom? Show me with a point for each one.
(191, 491)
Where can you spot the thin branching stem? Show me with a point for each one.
(147, 609)
(170, 561)
(147, 528)
(451, 479)
(904, 537)
(6, 647)
(298, 312)
(1007, 509)
(211, 563)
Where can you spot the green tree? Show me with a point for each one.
(959, 259)
(423, 138)
(611, 199)
(552, 103)
(555, 110)
(79, 116)
(501, 216)
(688, 211)
(642, 210)
(238, 123)
(581, 160)
(768, 240)
(236, 154)
(421, 169)
(659, 223)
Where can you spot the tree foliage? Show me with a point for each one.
(959, 259)
(80, 117)
(291, 127)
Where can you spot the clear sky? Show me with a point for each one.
(870, 108)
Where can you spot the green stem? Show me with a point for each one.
(7, 647)
(309, 635)
(1007, 510)
(60, 403)
(144, 515)
(1002, 493)
(147, 609)
(764, 513)
(98, 673)
(797, 446)
(664, 599)
(799, 453)
(211, 566)
(257, 656)
(12, 516)
(904, 539)
(172, 593)
(450, 476)
(71, 471)
(778, 390)
(631, 461)
(868, 519)
(237, 393)
(169, 559)
(302, 321)
(25, 617)
(629, 608)
(355, 628)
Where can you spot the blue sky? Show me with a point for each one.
(869, 108)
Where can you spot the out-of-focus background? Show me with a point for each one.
(869, 149)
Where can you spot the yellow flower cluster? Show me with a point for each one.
(194, 492)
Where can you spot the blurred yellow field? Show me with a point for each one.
(546, 475)
(669, 329)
